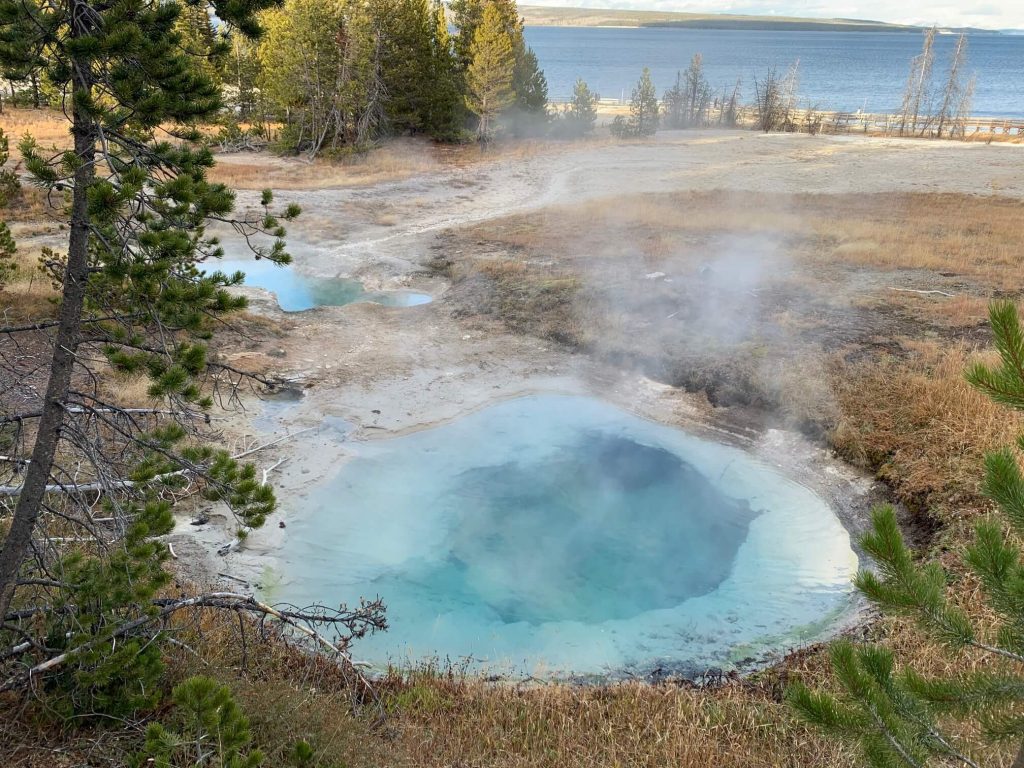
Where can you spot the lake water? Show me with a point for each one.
(560, 535)
(840, 71)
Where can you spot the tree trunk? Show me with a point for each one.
(1018, 761)
(26, 513)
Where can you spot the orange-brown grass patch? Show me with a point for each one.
(471, 723)
(431, 718)
(47, 126)
(969, 235)
(260, 170)
(393, 160)
(27, 295)
(920, 426)
(964, 248)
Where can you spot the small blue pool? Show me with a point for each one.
(296, 292)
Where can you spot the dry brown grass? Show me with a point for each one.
(456, 723)
(49, 128)
(918, 424)
(978, 237)
(394, 161)
(843, 250)
(435, 718)
(28, 295)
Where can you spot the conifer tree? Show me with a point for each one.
(674, 103)
(407, 33)
(322, 64)
(580, 115)
(137, 213)
(530, 87)
(529, 84)
(138, 296)
(240, 73)
(643, 110)
(200, 41)
(9, 186)
(212, 731)
(686, 103)
(445, 109)
(467, 15)
(900, 716)
(489, 78)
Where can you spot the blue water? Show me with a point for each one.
(840, 71)
(296, 291)
(559, 535)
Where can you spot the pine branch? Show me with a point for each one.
(106, 486)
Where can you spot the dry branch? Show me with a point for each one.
(912, 290)
(103, 486)
(368, 617)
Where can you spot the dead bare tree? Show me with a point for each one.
(773, 98)
(956, 94)
(728, 113)
(917, 94)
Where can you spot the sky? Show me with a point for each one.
(989, 14)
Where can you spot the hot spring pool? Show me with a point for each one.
(560, 535)
(296, 292)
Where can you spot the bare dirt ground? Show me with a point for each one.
(588, 268)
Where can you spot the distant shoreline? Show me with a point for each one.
(543, 16)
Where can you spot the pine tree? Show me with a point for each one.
(899, 717)
(697, 94)
(407, 30)
(445, 108)
(136, 293)
(9, 187)
(530, 87)
(529, 84)
(643, 111)
(489, 78)
(643, 106)
(199, 40)
(322, 65)
(674, 104)
(240, 73)
(212, 731)
(468, 15)
(580, 115)
(686, 103)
